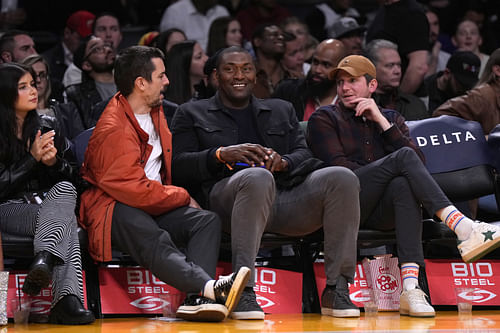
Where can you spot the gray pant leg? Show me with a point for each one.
(243, 201)
(140, 235)
(328, 198)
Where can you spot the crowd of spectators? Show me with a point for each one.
(423, 59)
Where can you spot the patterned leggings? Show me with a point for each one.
(54, 228)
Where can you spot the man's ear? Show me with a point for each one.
(6, 56)
(86, 66)
(139, 83)
(372, 85)
(257, 41)
(496, 70)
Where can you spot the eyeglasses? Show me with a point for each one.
(97, 49)
(42, 76)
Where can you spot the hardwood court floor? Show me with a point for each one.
(450, 321)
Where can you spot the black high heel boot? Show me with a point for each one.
(40, 273)
(70, 311)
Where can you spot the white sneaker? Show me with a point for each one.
(483, 239)
(414, 303)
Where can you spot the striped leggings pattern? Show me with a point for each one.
(54, 228)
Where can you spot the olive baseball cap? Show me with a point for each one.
(355, 65)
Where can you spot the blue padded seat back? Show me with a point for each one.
(450, 143)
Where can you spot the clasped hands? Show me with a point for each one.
(43, 149)
(254, 155)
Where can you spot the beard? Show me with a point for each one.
(318, 88)
(103, 68)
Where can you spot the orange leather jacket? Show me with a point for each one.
(114, 164)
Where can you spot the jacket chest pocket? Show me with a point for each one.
(213, 135)
(277, 136)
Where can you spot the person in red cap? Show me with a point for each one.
(78, 26)
(395, 185)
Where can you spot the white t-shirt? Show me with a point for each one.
(153, 164)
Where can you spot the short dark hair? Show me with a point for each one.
(98, 16)
(259, 31)
(231, 49)
(7, 39)
(133, 62)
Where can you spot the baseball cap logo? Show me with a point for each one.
(470, 68)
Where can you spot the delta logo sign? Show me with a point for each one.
(40, 304)
(482, 276)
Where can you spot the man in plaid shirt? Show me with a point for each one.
(375, 144)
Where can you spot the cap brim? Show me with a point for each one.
(348, 70)
(466, 81)
(353, 31)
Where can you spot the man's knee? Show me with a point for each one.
(255, 180)
(210, 220)
(407, 153)
(340, 178)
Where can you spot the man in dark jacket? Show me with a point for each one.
(78, 26)
(460, 75)
(96, 60)
(238, 155)
(384, 55)
(316, 89)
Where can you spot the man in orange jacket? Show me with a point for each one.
(132, 205)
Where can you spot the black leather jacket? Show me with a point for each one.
(27, 175)
(85, 96)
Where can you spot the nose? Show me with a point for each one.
(301, 56)
(165, 81)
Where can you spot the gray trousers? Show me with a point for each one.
(249, 205)
(180, 247)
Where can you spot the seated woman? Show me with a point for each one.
(36, 197)
(67, 115)
(224, 32)
(184, 68)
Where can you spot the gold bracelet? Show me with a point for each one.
(217, 155)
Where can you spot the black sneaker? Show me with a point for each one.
(247, 307)
(199, 308)
(228, 289)
(335, 302)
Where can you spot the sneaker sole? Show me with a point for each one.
(239, 284)
(247, 315)
(205, 312)
(348, 313)
(481, 251)
(416, 314)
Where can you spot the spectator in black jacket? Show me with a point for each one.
(316, 89)
(78, 26)
(96, 60)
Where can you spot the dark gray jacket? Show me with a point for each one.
(200, 127)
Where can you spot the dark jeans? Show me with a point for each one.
(393, 189)
(180, 247)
